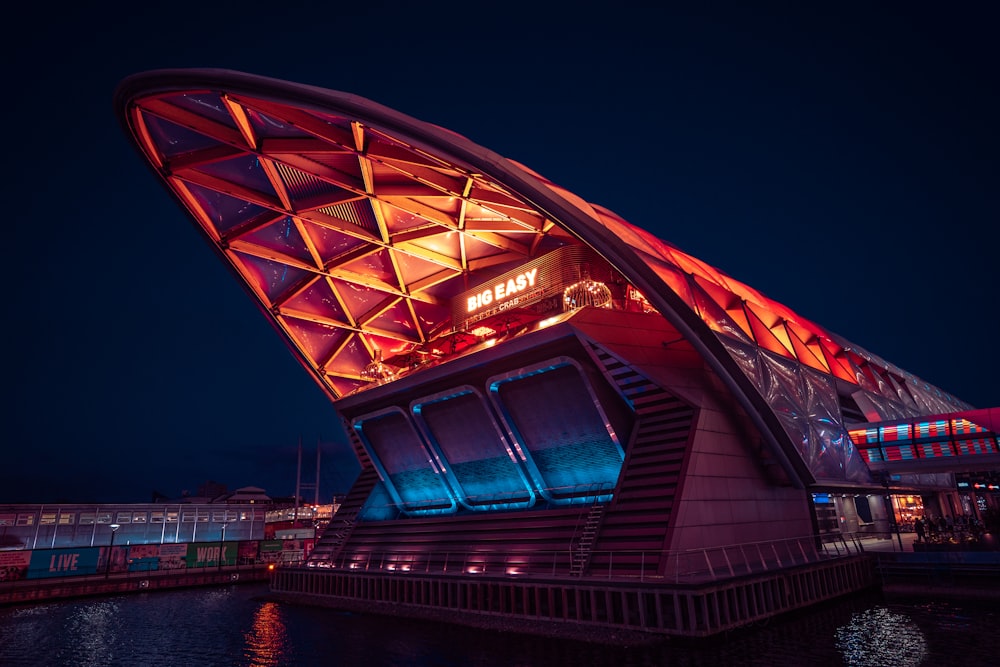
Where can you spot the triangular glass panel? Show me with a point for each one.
(397, 220)
(446, 244)
(861, 378)
(382, 145)
(765, 337)
(804, 352)
(317, 300)
(784, 380)
(377, 265)
(715, 317)
(317, 341)
(344, 386)
(330, 243)
(359, 298)
(358, 212)
(478, 250)
(271, 277)
(821, 396)
(396, 320)
(269, 127)
(282, 237)
(431, 317)
(834, 355)
(723, 297)
(308, 191)
(172, 140)
(244, 171)
(208, 105)
(351, 359)
(224, 211)
(747, 357)
(781, 334)
(414, 269)
(338, 122)
(342, 167)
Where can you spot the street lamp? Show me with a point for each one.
(111, 547)
(222, 544)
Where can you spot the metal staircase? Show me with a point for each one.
(585, 545)
(342, 524)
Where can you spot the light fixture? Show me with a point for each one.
(586, 292)
(377, 370)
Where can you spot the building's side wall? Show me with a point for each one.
(730, 491)
(727, 497)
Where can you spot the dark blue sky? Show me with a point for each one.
(843, 161)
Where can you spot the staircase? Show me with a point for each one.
(342, 524)
(584, 546)
(637, 522)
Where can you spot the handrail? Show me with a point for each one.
(668, 566)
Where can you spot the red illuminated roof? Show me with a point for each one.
(353, 225)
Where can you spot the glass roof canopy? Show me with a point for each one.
(353, 226)
(352, 239)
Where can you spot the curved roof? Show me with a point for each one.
(353, 225)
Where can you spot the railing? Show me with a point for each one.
(679, 567)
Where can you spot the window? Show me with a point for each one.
(26, 519)
(104, 517)
(172, 517)
(188, 517)
(156, 517)
(138, 517)
(124, 517)
(8, 519)
(47, 518)
(88, 518)
(66, 518)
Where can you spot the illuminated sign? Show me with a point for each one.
(502, 290)
(529, 285)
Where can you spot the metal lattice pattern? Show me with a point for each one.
(355, 226)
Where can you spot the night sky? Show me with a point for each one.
(842, 163)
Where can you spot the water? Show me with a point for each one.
(237, 626)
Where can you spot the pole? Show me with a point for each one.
(316, 492)
(298, 486)
(111, 548)
(222, 544)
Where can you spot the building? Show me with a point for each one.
(533, 385)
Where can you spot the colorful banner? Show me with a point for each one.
(64, 562)
(144, 557)
(173, 556)
(14, 565)
(211, 554)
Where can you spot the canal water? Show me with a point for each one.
(237, 626)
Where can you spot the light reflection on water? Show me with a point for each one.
(237, 626)
(880, 637)
(267, 641)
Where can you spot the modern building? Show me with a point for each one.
(533, 385)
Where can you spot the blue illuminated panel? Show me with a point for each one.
(478, 461)
(568, 445)
(409, 471)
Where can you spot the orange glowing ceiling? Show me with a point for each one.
(354, 225)
(353, 239)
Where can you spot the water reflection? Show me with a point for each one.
(90, 631)
(238, 626)
(881, 637)
(267, 641)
